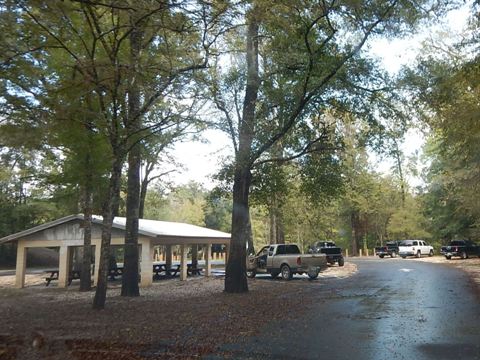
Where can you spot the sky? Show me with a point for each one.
(203, 159)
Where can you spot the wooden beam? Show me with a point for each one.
(208, 263)
(64, 266)
(146, 266)
(183, 263)
(98, 249)
(21, 264)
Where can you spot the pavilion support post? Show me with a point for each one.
(168, 256)
(64, 266)
(146, 266)
(208, 262)
(21, 265)
(183, 262)
(227, 250)
(97, 263)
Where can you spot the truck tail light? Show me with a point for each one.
(299, 261)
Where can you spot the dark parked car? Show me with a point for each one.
(390, 248)
(461, 248)
(333, 252)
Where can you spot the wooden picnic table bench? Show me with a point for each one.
(158, 269)
(174, 270)
(191, 270)
(53, 275)
(117, 271)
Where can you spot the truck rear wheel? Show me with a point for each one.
(448, 257)
(394, 254)
(419, 254)
(313, 275)
(430, 253)
(341, 261)
(251, 274)
(463, 255)
(286, 272)
(381, 256)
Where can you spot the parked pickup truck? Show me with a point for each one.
(389, 249)
(462, 248)
(332, 251)
(415, 248)
(285, 259)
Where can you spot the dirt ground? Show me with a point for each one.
(170, 320)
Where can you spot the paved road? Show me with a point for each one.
(390, 309)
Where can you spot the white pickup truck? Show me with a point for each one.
(285, 259)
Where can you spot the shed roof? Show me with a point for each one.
(151, 228)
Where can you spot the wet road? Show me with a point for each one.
(390, 309)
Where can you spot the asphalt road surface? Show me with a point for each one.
(390, 309)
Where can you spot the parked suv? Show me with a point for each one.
(414, 248)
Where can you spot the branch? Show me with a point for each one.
(308, 149)
(306, 96)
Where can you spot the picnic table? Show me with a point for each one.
(53, 275)
(158, 269)
(174, 270)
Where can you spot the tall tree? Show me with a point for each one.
(446, 88)
(104, 56)
(310, 55)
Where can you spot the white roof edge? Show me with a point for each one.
(40, 227)
(214, 234)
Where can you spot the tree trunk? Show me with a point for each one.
(277, 234)
(85, 275)
(143, 196)
(194, 256)
(130, 269)
(273, 225)
(109, 209)
(354, 244)
(168, 256)
(235, 274)
(250, 247)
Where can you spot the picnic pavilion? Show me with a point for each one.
(67, 233)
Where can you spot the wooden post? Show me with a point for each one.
(146, 266)
(227, 249)
(360, 252)
(183, 263)
(346, 252)
(98, 248)
(21, 265)
(208, 263)
(64, 266)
